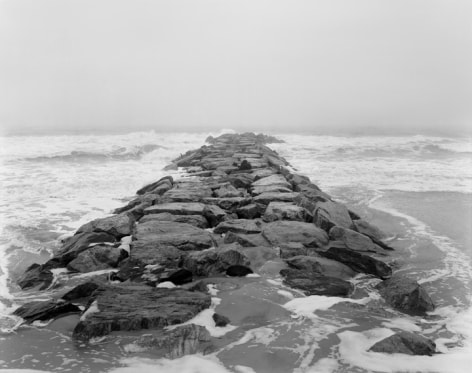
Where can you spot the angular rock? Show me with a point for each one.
(244, 226)
(286, 211)
(80, 242)
(240, 180)
(151, 253)
(228, 191)
(322, 266)
(276, 179)
(138, 307)
(406, 295)
(178, 235)
(371, 231)
(85, 290)
(214, 261)
(171, 344)
(148, 188)
(195, 220)
(315, 284)
(358, 262)
(176, 208)
(220, 320)
(329, 214)
(97, 258)
(186, 194)
(246, 240)
(353, 240)
(284, 231)
(251, 211)
(36, 276)
(266, 198)
(44, 310)
(405, 343)
(269, 189)
(117, 225)
(177, 276)
(214, 214)
(291, 249)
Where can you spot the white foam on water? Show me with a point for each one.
(306, 307)
(93, 308)
(262, 335)
(403, 324)
(186, 364)
(286, 294)
(23, 371)
(243, 369)
(166, 284)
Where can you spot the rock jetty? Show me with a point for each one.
(237, 205)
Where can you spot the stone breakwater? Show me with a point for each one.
(237, 207)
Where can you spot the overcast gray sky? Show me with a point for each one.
(290, 65)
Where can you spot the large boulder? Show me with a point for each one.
(251, 211)
(284, 231)
(358, 262)
(286, 211)
(214, 261)
(135, 307)
(276, 179)
(176, 208)
(195, 220)
(371, 231)
(246, 240)
(44, 310)
(269, 189)
(353, 240)
(152, 253)
(406, 295)
(214, 214)
(117, 225)
(74, 245)
(183, 340)
(166, 180)
(97, 258)
(82, 291)
(329, 214)
(312, 283)
(322, 266)
(268, 197)
(405, 343)
(179, 235)
(36, 276)
(244, 226)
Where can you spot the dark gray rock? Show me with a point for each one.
(178, 235)
(353, 240)
(251, 211)
(220, 320)
(117, 225)
(283, 232)
(312, 283)
(238, 271)
(246, 240)
(81, 291)
(322, 266)
(292, 249)
(406, 295)
(228, 191)
(244, 226)
(214, 214)
(270, 189)
(177, 276)
(286, 211)
(268, 197)
(125, 308)
(97, 258)
(148, 188)
(405, 343)
(329, 214)
(36, 276)
(371, 231)
(44, 310)
(240, 180)
(214, 261)
(151, 253)
(358, 262)
(176, 208)
(195, 220)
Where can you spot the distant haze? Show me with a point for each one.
(332, 66)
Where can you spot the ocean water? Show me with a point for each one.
(417, 189)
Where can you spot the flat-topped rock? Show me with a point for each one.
(117, 225)
(276, 179)
(179, 235)
(270, 189)
(322, 266)
(268, 197)
(97, 258)
(176, 208)
(125, 308)
(353, 240)
(284, 231)
(329, 214)
(245, 226)
(286, 211)
(195, 220)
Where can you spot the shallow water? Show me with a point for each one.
(416, 189)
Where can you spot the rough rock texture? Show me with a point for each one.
(195, 220)
(358, 262)
(44, 310)
(405, 343)
(81, 291)
(139, 307)
(177, 208)
(97, 258)
(286, 211)
(282, 232)
(36, 276)
(312, 283)
(322, 266)
(183, 340)
(353, 240)
(245, 226)
(329, 214)
(179, 235)
(117, 225)
(406, 295)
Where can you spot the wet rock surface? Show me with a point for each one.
(405, 343)
(237, 212)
